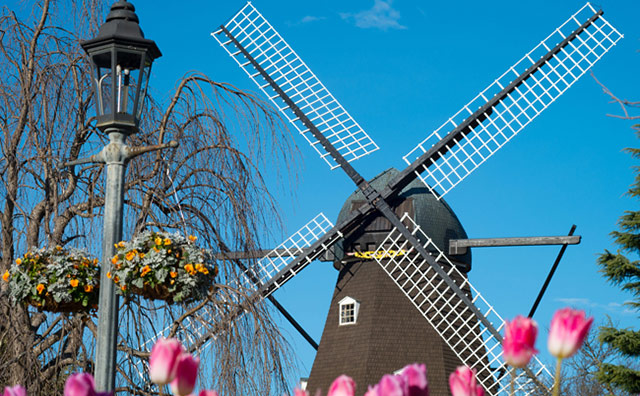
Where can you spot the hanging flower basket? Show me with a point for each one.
(163, 266)
(55, 279)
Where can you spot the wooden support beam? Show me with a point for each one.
(459, 246)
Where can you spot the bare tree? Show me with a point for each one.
(211, 187)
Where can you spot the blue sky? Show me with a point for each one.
(401, 69)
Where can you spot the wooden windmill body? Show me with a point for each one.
(386, 332)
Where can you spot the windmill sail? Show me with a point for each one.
(475, 340)
(258, 281)
(280, 73)
(503, 109)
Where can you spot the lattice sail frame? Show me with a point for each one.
(475, 345)
(247, 283)
(297, 81)
(521, 106)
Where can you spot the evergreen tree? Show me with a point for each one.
(623, 270)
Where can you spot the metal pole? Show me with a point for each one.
(114, 156)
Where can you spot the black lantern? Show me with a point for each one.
(121, 61)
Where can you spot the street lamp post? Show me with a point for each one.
(121, 61)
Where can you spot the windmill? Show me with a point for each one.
(411, 259)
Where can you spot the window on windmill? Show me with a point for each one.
(348, 311)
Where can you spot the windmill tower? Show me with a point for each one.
(411, 258)
(372, 328)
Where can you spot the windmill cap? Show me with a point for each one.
(435, 217)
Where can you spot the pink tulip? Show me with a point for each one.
(462, 382)
(391, 385)
(208, 393)
(519, 339)
(372, 391)
(569, 327)
(162, 363)
(415, 378)
(16, 390)
(186, 374)
(300, 392)
(342, 386)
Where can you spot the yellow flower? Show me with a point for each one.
(109, 274)
(114, 259)
(158, 241)
(40, 288)
(192, 238)
(130, 255)
(173, 274)
(95, 261)
(6, 276)
(145, 270)
(189, 268)
(141, 255)
(121, 244)
(88, 288)
(18, 261)
(73, 282)
(167, 241)
(205, 271)
(172, 282)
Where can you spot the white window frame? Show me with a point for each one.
(348, 303)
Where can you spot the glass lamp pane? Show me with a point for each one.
(127, 80)
(102, 82)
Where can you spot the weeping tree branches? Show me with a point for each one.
(211, 187)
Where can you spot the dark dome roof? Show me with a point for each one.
(433, 216)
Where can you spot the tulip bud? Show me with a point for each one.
(80, 384)
(462, 382)
(300, 392)
(391, 385)
(342, 386)
(415, 378)
(519, 340)
(186, 374)
(162, 362)
(569, 327)
(16, 390)
(208, 393)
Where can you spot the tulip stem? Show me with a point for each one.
(513, 381)
(556, 383)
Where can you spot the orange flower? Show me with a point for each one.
(141, 255)
(114, 259)
(18, 261)
(158, 241)
(6, 276)
(156, 249)
(189, 269)
(40, 288)
(172, 282)
(109, 274)
(116, 279)
(199, 267)
(173, 274)
(167, 241)
(95, 261)
(130, 255)
(121, 244)
(123, 287)
(145, 270)
(88, 288)
(73, 282)
(205, 271)
(59, 248)
(192, 238)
